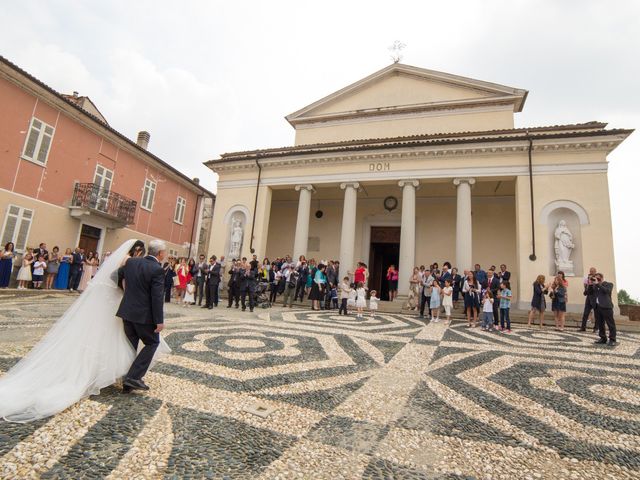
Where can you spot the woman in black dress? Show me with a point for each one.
(538, 303)
(456, 283)
(471, 290)
(318, 287)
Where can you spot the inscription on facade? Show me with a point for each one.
(379, 167)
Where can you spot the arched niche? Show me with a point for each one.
(235, 221)
(574, 217)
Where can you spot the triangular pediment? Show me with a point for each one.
(400, 88)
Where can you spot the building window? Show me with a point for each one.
(38, 143)
(102, 181)
(181, 205)
(173, 253)
(16, 227)
(148, 194)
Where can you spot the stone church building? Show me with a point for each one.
(410, 166)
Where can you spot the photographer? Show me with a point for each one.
(589, 300)
(604, 308)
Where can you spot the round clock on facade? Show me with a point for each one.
(390, 203)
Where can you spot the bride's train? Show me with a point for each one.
(85, 351)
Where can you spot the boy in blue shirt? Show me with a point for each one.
(505, 305)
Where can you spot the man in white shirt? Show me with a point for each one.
(426, 294)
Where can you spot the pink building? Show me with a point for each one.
(70, 179)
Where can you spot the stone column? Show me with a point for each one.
(464, 240)
(348, 234)
(301, 238)
(407, 235)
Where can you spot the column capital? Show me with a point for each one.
(413, 183)
(458, 181)
(304, 187)
(355, 185)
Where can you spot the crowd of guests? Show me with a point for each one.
(43, 269)
(485, 295)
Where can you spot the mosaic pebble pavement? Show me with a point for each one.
(383, 398)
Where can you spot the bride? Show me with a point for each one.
(85, 350)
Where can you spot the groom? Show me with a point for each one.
(141, 309)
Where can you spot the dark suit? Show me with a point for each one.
(212, 283)
(201, 272)
(504, 276)
(75, 270)
(604, 309)
(234, 285)
(244, 286)
(589, 306)
(494, 287)
(141, 309)
(302, 282)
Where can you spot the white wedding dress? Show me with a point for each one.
(85, 350)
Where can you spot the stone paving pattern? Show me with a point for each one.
(384, 398)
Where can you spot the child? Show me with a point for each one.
(334, 297)
(361, 298)
(351, 299)
(505, 305)
(373, 303)
(447, 299)
(345, 292)
(189, 297)
(24, 275)
(487, 311)
(434, 303)
(38, 271)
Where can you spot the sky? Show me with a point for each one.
(208, 77)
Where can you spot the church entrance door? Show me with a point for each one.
(384, 251)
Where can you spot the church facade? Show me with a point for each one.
(410, 166)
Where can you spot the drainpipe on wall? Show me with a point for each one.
(532, 257)
(255, 206)
(195, 222)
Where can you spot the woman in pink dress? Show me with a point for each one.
(392, 280)
(87, 271)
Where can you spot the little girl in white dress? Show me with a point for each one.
(361, 299)
(373, 303)
(351, 299)
(189, 297)
(24, 275)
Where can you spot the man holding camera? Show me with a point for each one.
(589, 302)
(601, 290)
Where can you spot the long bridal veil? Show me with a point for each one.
(85, 350)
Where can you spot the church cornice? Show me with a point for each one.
(602, 140)
(452, 106)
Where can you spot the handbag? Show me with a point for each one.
(176, 281)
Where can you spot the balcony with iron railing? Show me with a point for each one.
(92, 199)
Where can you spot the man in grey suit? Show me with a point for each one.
(141, 309)
(601, 290)
(212, 282)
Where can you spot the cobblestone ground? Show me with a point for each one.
(299, 394)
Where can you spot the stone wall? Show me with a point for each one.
(631, 311)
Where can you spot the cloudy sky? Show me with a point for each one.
(208, 77)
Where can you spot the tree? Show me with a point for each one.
(625, 299)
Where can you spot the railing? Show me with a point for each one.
(94, 197)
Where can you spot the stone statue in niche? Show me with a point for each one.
(237, 233)
(563, 247)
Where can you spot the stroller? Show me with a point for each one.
(262, 295)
